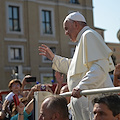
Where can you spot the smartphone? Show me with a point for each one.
(31, 79)
(16, 100)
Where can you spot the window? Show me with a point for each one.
(15, 53)
(74, 1)
(14, 24)
(46, 78)
(45, 59)
(47, 21)
(14, 18)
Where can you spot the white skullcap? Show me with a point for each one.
(76, 16)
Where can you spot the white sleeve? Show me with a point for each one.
(61, 64)
(93, 79)
(9, 97)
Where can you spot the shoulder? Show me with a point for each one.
(9, 97)
(90, 33)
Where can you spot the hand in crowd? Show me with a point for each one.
(39, 87)
(24, 81)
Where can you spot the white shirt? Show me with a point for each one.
(9, 97)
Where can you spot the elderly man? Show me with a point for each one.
(89, 67)
(107, 108)
(54, 108)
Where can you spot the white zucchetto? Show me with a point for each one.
(76, 16)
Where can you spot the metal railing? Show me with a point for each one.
(95, 91)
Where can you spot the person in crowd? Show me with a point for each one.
(54, 108)
(89, 67)
(116, 73)
(60, 87)
(27, 101)
(15, 88)
(59, 78)
(107, 108)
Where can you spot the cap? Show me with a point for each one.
(76, 16)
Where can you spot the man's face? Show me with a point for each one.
(102, 112)
(70, 29)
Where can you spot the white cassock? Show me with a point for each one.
(88, 69)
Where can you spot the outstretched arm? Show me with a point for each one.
(29, 107)
(24, 82)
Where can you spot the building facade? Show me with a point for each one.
(26, 24)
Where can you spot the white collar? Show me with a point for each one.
(81, 32)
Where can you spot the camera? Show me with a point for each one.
(30, 79)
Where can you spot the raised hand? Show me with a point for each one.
(46, 51)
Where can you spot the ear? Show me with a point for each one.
(117, 117)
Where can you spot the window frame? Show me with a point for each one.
(9, 54)
(52, 21)
(74, 1)
(19, 5)
(46, 23)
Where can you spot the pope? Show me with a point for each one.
(89, 67)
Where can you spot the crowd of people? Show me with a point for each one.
(88, 69)
(55, 107)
